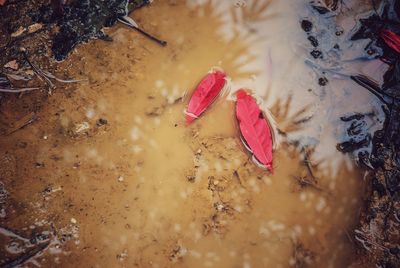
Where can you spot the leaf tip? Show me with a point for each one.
(189, 119)
(241, 93)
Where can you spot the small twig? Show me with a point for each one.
(17, 90)
(21, 123)
(46, 76)
(11, 233)
(26, 256)
(50, 75)
(305, 182)
(38, 71)
(371, 87)
(134, 26)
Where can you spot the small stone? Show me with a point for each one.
(120, 179)
(73, 221)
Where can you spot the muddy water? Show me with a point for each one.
(139, 188)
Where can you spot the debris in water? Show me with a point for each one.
(204, 94)
(26, 256)
(19, 124)
(306, 25)
(254, 128)
(101, 122)
(81, 127)
(132, 24)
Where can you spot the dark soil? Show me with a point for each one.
(377, 234)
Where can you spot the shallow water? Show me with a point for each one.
(145, 190)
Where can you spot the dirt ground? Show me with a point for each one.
(28, 42)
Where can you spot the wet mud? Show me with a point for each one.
(104, 172)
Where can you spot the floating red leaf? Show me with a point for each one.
(391, 39)
(204, 94)
(255, 130)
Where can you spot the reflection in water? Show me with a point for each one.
(112, 176)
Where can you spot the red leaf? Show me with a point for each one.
(254, 128)
(2, 2)
(391, 39)
(205, 93)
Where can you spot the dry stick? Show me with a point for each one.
(26, 256)
(151, 37)
(17, 90)
(371, 87)
(38, 71)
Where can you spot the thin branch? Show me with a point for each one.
(26, 256)
(128, 22)
(17, 90)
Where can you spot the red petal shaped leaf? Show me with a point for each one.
(254, 128)
(205, 93)
(2, 2)
(391, 39)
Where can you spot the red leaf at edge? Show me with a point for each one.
(391, 39)
(2, 2)
(254, 128)
(205, 93)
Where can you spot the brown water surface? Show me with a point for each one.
(145, 190)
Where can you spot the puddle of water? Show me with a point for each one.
(146, 190)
